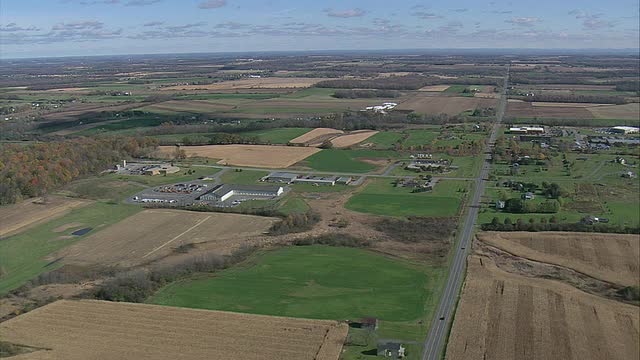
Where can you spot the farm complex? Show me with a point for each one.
(409, 205)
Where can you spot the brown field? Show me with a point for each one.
(192, 106)
(258, 83)
(17, 217)
(627, 111)
(521, 109)
(508, 316)
(73, 112)
(609, 257)
(152, 234)
(567, 87)
(450, 105)
(270, 156)
(562, 104)
(71, 89)
(435, 88)
(312, 136)
(352, 138)
(80, 330)
(305, 105)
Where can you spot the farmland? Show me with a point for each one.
(507, 316)
(256, 83)
(443, 104)
(247, 155)
(15, 218)
(350, 161)
(152, 234)
(78, 330)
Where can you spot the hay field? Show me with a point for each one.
(625, 112)
(316, 136)
(152, 234)
(437, 88)
(521, 109)
(451, 105)
(508, 316)
(609, 257)
(352, 138)
(14, 218)
(80, 330)
(257, 83)
(271, 156)
(194, 106)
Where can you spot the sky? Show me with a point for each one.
(42, 28)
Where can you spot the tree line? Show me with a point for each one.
(33, 170)
(552, 224)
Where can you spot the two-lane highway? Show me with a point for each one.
(434, 342)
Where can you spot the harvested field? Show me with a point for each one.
(609, 257)
(562, 104)
(451, 105)
(434, 88)
(247, 155)
(109, 330)
(14, 218)
(568, 87)
(152, 234)
(70, 89)
(521, 109)
(509, 316)
(316, 136)
(352, 138)
(627, 111)
(73, 112)
(257, 83)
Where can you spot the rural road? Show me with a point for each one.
(433, 344)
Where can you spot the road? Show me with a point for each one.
(435, 340)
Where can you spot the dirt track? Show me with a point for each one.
(509, 316)
(80, 330)
(152, 234)
(247, 155)
(17, 217)
(609, 257)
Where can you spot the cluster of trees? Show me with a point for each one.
(572, 98)
(552, 224)
(628, 86)
(295, 222)
(214, 139)
(520, 206)
(334, 239)
(366, 94)
(484, 112)
(32, 170)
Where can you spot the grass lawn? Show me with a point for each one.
(319, 282)
(380, 197)
(347, 160)
(277, 136)
(21, 256)
(421, 137)
(244, 177)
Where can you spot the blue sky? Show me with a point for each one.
(32, 28)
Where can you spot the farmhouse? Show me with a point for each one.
(248, 192)
(624, 130)
(390, 349)
(527, 130)
(280, 177)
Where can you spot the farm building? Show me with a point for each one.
(344, 180)
(249, 192)
(163, 169)
(391, 349)
(316, 180)
(280, 177)
(624, 130)
(527, 130)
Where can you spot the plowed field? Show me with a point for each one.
(83, 330)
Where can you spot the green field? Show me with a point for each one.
(277, 136)
(21, 255)
(421, 137)
(244, 177)
(319, 282)
(346, 160)
(380, 197)
(385, 139)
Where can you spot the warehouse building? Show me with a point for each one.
(624, 130)
(527, 130)
(225, 192)
(280, 177)
(316, 180)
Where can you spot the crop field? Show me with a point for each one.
(79, 330)
(22, 255)
(305, 105)
(508, 316)
(451, 105)
(384, 139)
(17, 217)
(154, 233)
(189, 106)
(627, 111)
(352, 138)
(436, 88)
(316, 136)
(521, 109)
(610, 257)
(381, 197)
(255, 83)
(247, 155)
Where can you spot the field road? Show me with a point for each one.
(435, 340)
